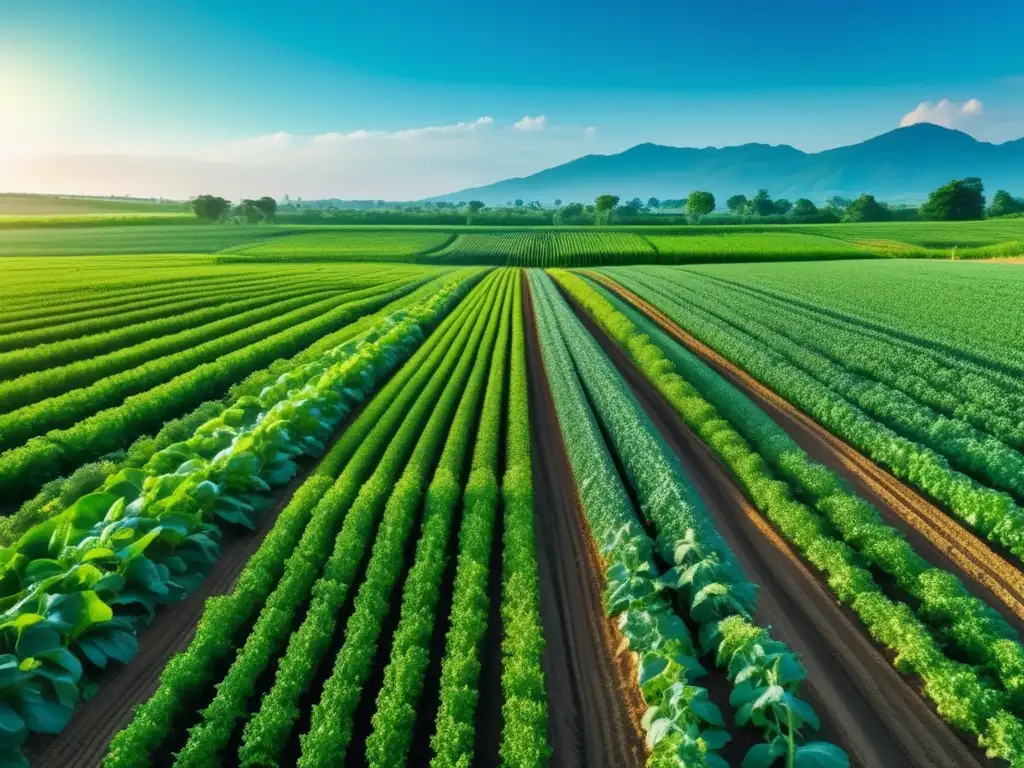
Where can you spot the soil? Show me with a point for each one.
(985, 569)
(593, 705)
(865, 706)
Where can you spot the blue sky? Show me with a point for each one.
(240, 92)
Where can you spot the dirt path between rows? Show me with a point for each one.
(865, 706)
(940, 539)
(593, 705)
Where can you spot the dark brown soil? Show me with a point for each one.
(593, 705)
(865, 706)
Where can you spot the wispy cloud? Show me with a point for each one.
(590, 131)
(949, 114)
(531, 123)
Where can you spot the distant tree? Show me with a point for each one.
(761, 204)
(558, 203)
(803, 207)
(519, 203)
(653, 203)
(628, 210)
(569, 214)
(700, 204)
(473, 207)
(737, 203)
(210, 207)
(865, 208)
(637, 203)
(269, 207)
(837, 204)
(249, 210)
(783, 206)
(1003, 203)
(604, 205)
(673, 204)
(959, 200)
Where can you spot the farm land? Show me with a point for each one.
(281, 495)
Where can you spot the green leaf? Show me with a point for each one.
(42, 713)
(716, 739)
(137, 547)
(820, 754)
(762, 755)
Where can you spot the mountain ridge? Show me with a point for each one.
(901, 166)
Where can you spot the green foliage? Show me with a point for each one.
(700, 204)
(959, 200)
(210, 207)
(604, 205)
(553, 248)
(737, 203)
(341, 245)
(803, 207)
(865, 208)
(1004, 204)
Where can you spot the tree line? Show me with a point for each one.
(957, 200)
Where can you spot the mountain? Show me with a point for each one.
(903, 165)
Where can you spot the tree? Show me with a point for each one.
(653, 203)
(268, 206)
(803, 207)
(865, 208)
(783, 206)
(761, 204)
(473, 207)
(637, 203)
(519, 203)
(959, 200)
(210, 207)
(604, 205)
(1003, 204)
(249, 210)
(700, 204)
(737, 204)
(837, 204)
(558, 203)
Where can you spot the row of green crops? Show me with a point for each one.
(752, 246)
(351, 245)
(951, 385)
(24, 468)
(990, 512)
(963, 310)
(726, 421)
(75, 588)
(402, 469)
(683, 727)
(527, 248)
(524, 739)
(65, 410)
(58, 494)
(809, 347)
(281, 574)
(33, 387)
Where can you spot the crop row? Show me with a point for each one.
(990, 512)
(962, 693)
(945, 382)
(524, 737)
(526, 248)
(966, 447)
(294, 553)
(23, 469)
(414, 443)
(58, 494)
(340, 245)
(683, 726)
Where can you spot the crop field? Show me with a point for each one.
(270, 506)
(352, 245)
(754, 246)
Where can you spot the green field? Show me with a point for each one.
(528, 247)
(341, 246)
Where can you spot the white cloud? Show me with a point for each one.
(590, 131)
(531, 123)
(949, 114)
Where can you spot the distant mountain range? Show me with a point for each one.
(903, 165)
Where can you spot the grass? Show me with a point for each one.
(13, 204)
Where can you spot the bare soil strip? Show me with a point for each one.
(937, 536)
(865, 706)
(593, 704)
